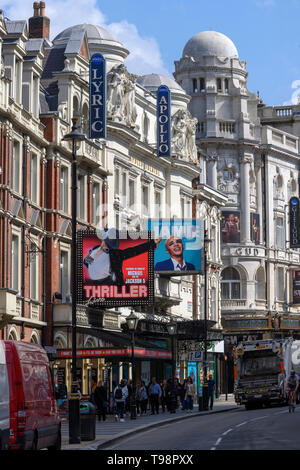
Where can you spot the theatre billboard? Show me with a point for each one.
(180, 248)
(115, 268)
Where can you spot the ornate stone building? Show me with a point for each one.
(121, 182)
(250, 152)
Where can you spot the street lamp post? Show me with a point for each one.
(132, 323)
(74, 406)
(172, 330)
(205, 384)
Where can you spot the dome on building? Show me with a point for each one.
(210, 43)
(94, 33)
(153, 81)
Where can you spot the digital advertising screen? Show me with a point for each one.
(179, 246)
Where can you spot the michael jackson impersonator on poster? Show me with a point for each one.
(111, 271)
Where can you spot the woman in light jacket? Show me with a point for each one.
(190, 392)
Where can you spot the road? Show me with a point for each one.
(263, 429)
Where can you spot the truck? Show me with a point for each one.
(260, 371)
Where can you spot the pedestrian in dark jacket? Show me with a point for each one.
(163, 398)
(100, 396)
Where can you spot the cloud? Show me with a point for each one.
(265, 3)
(295, 95)
(145, 56)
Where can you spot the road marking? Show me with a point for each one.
(218, 441)
(241, 424)
(260, 417)
(226, 432)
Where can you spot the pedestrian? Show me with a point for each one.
(172, 393)
(211, 390)
(163, 398)
(92, 391)
(101, 400)
(141, 398)
(120, 395)
(129, 397)
(154, 394)
(189, 394)
(182, 394)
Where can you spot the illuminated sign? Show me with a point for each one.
(163, 122)
(115, 268)
(97, 97)
(294, 223)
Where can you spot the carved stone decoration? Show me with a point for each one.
(229, 178)
(63, 110)
(121, 105)
(183, 135)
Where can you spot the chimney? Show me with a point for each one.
(39, 24)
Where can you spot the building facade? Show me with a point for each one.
(250, 153)
(121, 183)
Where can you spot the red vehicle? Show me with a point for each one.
(34, 419)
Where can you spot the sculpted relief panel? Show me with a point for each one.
(229, 179)
(183, 135)
(121, 105)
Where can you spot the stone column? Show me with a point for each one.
(259, 199)
(212, 172)
(245, 162)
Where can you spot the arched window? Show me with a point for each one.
(85, 119)
(260, 284)
(226, 85)
(202, 84)
(230, 284)
(195, 85)
(76, 113)
(13, 335)
(219, 84)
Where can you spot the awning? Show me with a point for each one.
(116, 338)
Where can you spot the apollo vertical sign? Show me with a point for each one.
(294, 223)
(97, 97)
(163, 122)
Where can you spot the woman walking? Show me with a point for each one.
(190, 392)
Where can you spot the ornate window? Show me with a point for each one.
(230, 284)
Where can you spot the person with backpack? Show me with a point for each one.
(120, 395)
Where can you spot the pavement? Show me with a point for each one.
(110, 431)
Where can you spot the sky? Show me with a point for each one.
(266, 34)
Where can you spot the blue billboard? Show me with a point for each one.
(97, 97)
(163, 122)
(179, 246)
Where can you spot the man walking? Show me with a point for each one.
(211, 390)
(154, 394)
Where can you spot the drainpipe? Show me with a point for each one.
(44, 247)
(23, 230)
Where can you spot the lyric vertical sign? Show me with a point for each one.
(294, 223)
(163, 121)
(97, 97)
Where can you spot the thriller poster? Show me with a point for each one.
(115, 268)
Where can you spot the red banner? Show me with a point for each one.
(144, 353)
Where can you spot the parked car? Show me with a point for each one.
(4, 401)
(34, 418)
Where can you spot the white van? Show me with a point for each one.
(4, 401)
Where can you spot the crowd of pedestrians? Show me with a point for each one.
(168, 395)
